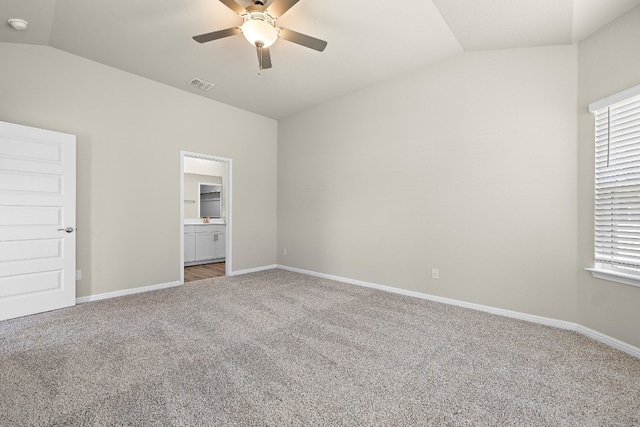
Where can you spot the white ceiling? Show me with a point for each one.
(367, 41)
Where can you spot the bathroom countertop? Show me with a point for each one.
(199, 221)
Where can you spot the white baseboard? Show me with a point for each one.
(253, 270)
(607, 340)
(124, 292)
(132, 291)
(556, 323)
(562, 324)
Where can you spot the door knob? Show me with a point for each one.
(68, 229)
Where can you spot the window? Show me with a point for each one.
(617, 187)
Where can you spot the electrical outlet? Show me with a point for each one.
(78, 274)
(284, 251)
(435, 273)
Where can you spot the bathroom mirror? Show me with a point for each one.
(198, 172)
(210, 200)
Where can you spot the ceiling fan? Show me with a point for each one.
(259, 28)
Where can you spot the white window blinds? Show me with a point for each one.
(617, 185)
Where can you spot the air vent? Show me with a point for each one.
(200, 84)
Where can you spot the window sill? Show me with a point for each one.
(614, 276)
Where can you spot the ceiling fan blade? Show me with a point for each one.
(234, 6)
(203, 38)
(266, 58)
(303, 39)
(279, 7)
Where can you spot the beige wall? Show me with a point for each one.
(130, 132)
(469, 167)
(608, 63)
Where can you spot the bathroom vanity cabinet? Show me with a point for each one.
(204, 243)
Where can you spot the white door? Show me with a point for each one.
(37, 204)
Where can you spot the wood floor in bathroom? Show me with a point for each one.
(203, 271)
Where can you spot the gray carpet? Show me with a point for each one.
(278, 348)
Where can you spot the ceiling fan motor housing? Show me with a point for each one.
(259, 26)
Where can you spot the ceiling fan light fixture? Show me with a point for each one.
(256, 29)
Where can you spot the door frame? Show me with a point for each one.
(227, 188)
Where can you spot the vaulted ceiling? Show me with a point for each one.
(368, 41)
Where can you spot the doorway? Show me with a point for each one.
(205, 235)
